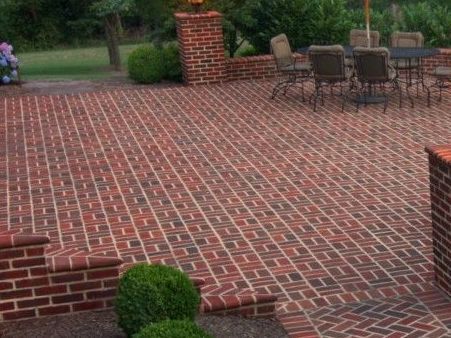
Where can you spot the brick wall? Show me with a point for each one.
(251, 67)
(254, 67)
(440, 182)
(34, 285)
(263, 66)
(442, 59)
(201, 47)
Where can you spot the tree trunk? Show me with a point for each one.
(112, 31)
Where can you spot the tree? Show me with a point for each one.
(110, 11)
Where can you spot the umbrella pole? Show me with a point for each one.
(367, 20)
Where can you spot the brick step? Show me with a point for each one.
(33, 284)
(246, 305)
(36, 284)
(226, 299)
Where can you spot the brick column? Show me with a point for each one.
(440, 176)
(201, 47)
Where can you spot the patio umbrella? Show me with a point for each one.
(367, 21)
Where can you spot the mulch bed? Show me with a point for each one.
(103, 324)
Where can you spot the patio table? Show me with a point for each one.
(395, 52)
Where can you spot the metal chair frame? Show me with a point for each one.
(290, 72)
(330, 70)
(440, 83)
(413, 67)
(372, 79)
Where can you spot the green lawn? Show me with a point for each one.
(70, 64)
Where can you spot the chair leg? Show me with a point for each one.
(302, 90)
(278, 87)
(409, 97)
(317, 94)
(385, 104)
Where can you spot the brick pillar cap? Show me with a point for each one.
(202, 15)
(442, 152)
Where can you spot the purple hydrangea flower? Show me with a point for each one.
(6, 79)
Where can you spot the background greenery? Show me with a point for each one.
(64, 25)
(46, 24)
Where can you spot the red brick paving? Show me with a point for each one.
(328, 210)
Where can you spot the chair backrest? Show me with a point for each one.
(359, 38)
(281, 50)
(407, 39)
(372, 64)
(328, 63)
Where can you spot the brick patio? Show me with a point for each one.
(330, 211)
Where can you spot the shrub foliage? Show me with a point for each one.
(151, 293)
(172, 329)
(150, 64)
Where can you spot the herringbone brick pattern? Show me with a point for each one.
(323, 209)
(396, 317)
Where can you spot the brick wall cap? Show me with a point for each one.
(250, 59)
(213, 303)
(17, 240)
(202, 15)
(442, 152)
(76, 263)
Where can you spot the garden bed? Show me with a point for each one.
(103, 325)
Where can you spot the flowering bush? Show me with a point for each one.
(8, 64)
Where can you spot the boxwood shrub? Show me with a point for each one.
(171, 60)
(150, 64)
(151, 293)
(146, 65)
(173, 329)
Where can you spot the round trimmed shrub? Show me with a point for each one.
(173, 329)
(146, 64)
(173, 68)
(151, 293)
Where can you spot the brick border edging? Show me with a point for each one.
(440, 186)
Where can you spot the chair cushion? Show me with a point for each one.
(443, 72)
(297, 67)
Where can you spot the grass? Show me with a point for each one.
(70, 64)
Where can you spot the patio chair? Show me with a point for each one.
(443, 77)
(290, 71)
(359, 38)
(409, 66)
(373, 72)
(329, 70)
